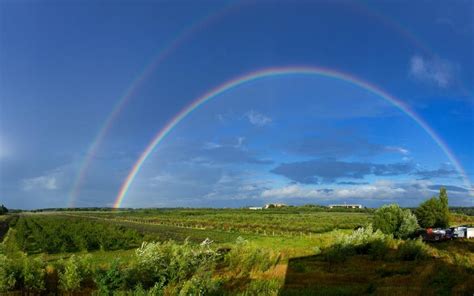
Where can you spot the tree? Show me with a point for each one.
(394, 220)
(435, 211)
(3, 210)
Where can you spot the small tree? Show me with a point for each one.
(435, 211)
(3, 210)
(394, 220)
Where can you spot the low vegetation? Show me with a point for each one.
(288, 251)
(50, 234)
(392, 219)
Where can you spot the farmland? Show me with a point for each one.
(268, 252)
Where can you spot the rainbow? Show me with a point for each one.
(272, 72)
(157, 60)
(181, 38)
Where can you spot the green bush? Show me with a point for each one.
(200, 284)
(33, 274)
(434, 212)
(362, 241)
(8, 274)
(110, 279)
(414, 249)
(169, 263)
(73, 273)
(392, 219)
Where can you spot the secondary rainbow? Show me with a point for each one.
(151, 67)
(166, 52)
(272, 72)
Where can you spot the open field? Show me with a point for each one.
(257, 252)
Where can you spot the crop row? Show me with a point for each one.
(247, 222)
(69, 234)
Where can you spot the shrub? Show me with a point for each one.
(394, 220)
(413, 250)
(110, 279)
(170, 263)
(200, 284)
(74, 272)
(8, 274)
(33, 274)
(338, 253)
(434, 212)
(361, 241)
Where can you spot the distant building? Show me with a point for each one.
(346, 206)
(255, 208)
(275, 205)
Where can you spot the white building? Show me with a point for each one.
(347, 206)
(255, 208)
(275, 205)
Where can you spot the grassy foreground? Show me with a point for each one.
(279, 257)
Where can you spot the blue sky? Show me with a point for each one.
(296, 139)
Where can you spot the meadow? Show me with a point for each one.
(291, 251)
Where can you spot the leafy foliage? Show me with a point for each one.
(33, 274)
(58, 234)
(75, 271)
(361, 241)
(414, 249)
(434, 212)
(8, 274)
(392, 219)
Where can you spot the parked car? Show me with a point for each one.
(438, 234)
(459, 232)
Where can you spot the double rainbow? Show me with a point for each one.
(272, 72)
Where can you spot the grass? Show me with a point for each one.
(448, 270)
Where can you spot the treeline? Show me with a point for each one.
(69, 234)
(469, 211)
(3, 210)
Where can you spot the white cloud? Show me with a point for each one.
(211, 145)
(435, 70)
(382, 189)
(257, 118)
(48, 182)
(397, 149)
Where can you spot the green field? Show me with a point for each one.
(269, 252)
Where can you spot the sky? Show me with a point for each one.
(86, 86)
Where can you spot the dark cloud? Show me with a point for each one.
(449, 188)
(352, 183)
(328, 170)
(226, 152)
(231, 154)
(342, 145)
(441, 172)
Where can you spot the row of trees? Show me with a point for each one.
(3, 210)
(66, 234)
(402, 223)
